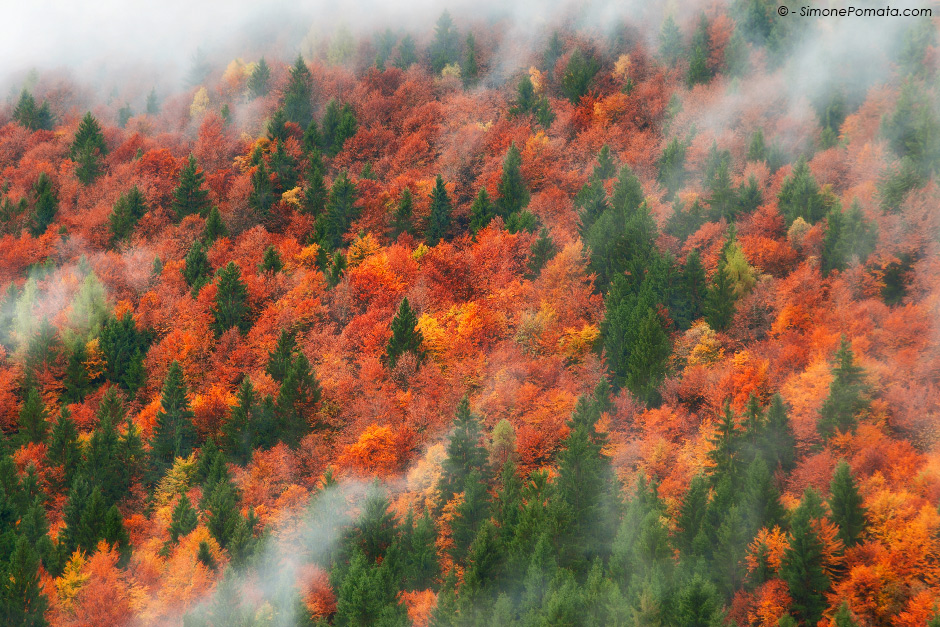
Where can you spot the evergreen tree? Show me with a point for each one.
(64, 450)
(671, 165)
(153, 105)
(553, 52)
(761, 500)
(407, 55)
(32, 419)
(481, 212)
(88, 150)
(173, 435)
(128, 210)
(800, 197)
(845, 503)
(439, 220)
(222, 515)
(912, 130)
(196, 268)
(35, 118)
(315, 192)
(699, 604)
(45, 205)
(670, 41)
(231, 301)
(262, 192)
(526, 99)
(124, 348)
(691, 517)
(299, 392)
(183, 520)
(848, 394)
(282, 357)
(107, 465)
(542, 251)
(420, 566)
(190, 196)
(445, 49)
(513, 191)
(802, 564)
(578, 75)
(848, 236)
(720, 299)
(339, 124)
(402, 219)
(298, 96)
(646, 365)
(258, 79)
(699, 72)
(778, 444)
(283, 169)
(468, 516)
(340, 212)
(271, 261)
(692, 292)
(843, 618)
(405, 335)
(214, 228)
(469, 69)
(725, 453)
(249, 426)
(465, 454)
(22, 600)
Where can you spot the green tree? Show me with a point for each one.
(259, 79)
(671, 165)
(63, 450)
(800, 196)
(262, 196)
(465, 454)
(469, 69)
(439, 220)
(670, 41)
(315, 191)
(445, 49)
(32, 419)
(22, 600)
(271, 261)
(183, 520)
(45, 205)
(231, 301)
(190, 196)
(124, 347)
(196, 268)
(404, 211)
(214, 228)
(407, 55)
(174, 434)
(720, 299)
(406, 337)
(646, 366)
(699, 71)
(542, 251)
(513, 191)
(128, 210)
(35, 118)
(848, 394)
(913, 129)
(298, 394)
(848, 236)
(340, 212)
(845, 503)
(339, 124)
(802, 564)
(578, 75)
(88, 150)
(298, 96)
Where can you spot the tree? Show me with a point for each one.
(469, 69)
(249, 426)
(63, 450)
(800, 197)
(214, 228)
(183, 520)
(32, 423)
(262, 195)
(439, 220)
(802, 564)
(111, 462)
(88, 150)
(720, 299)
(299, 392)
(45, 205)
(30, 116)
(542, 251)
(691, 518)
(513, 191)
(124, 347)
(445, 49)
(578, 75)
(848, 394)
(340, 212)
(848, 236)
(402, 219)
(913, 128)
(406, 337)
(271, 261)
(190, 196)
(407, 56)
(339, 124)
(760, 501)
(174, 434)
(315, 191)
(646, 366)
(128, 210)
(845, 503)
(231, 301)
(465, 454)
(671, 165)
(258, 79)
(298, 96)
(670, 41)
(699, 71)
(196, 268)
(22, 600)
(778, 444)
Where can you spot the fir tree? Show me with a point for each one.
(513, 191)
(340, 212)
(64, 451)
(543, 250)
(691, 517)
(222, 515)
(190, 197)
(407, 55)
(404, 211)
(298, 96)
(196, 268)
(469, 69)
(439, 220)
(802, 564)
(778, 444)
(106, 465)
(670, 41)
(24, 602)
(578, 75)
(262, 192)
(258, 79)
(845, 503)
(173, 435)
(671, 165)
(45, 205)
(153, 105)
(800, 197)
(760, 500)
(31, 116)
(231, 301)
(244, 430)
(445, 49)
(282, 357)
(481, 212)
(465, 453)
(271, 261)
(315, 192)
(339, 124)
(848, 236)
(183, 520)
(848, 394)
(124, 348)
(32, 419)
(299, 392)
(214, 228)
(128, 210)
(699, 72)
(406, 337)
(88, 150)
(646, 366)
(720, 299)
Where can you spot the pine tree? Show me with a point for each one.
(407, 56)
(778, 444)
(670, 41)
(513, 191)
(299, 392)
(190, 197)
(173, 435)
(221, 509)
(646, 365)
(63, 450)
(720, 299)
(45, 205)
(542, 251)
(298, 96)
(244, 431)
(88, 150)
(106, 466)
(699, 72)
(848, 235)
(32, 419)
(800, 196)
(271, 261)
(259, 79)
(481, 212)
(124, 348)
(845, 503)
(31, 116)
(761, 500)
(699, 604)
(231, 301)
(691, 517)
(465, 453)
(445, 49)
(196, 268)
(24, 602)
(469, 69)
(404, 211)
(214, 228)
(671, 166)
(843, 617)
(420, 567)
(340, 212)
(439, 220)
(405, 335)
(578, 75)
(526, 100)
(848, 394)
(128, 210)
(183, 520)
(315, 192)
(339, 124)
(802, 564)
(261, 197)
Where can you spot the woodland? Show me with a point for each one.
(624, 326)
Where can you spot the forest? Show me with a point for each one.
(632, 326)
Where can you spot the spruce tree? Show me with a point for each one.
(24, 602)
(670, 41)
(404, 211)
(407, 55)
(282, 357)
(244, 430)
(647, 363)
(183, 520)
(848, 394)
(298, 96)
(196, 268)
(221, 509)
(64, 451)
(845, 504)
(271, 261)
(542, 251)
(720, 299)
(106, 466)
(778, 444)
(671, 166)
(513, 191)
(405, 335)
(803, 560)
(481, 212)
(445, 49)
(262, 197)
(469, 69)
(258, 79)
(299, 393)
(88, 150)
(35, 118)
(578, 75)
(439, 220)
(214, 228)
(32, 419)
(800, 196)
(45, 205)
(315, 192)
(699, 72)
(761, 499)
(340, 212)
(190, 196)
(231, 301)
(174, 434)
(691, 517)
(128, 210)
